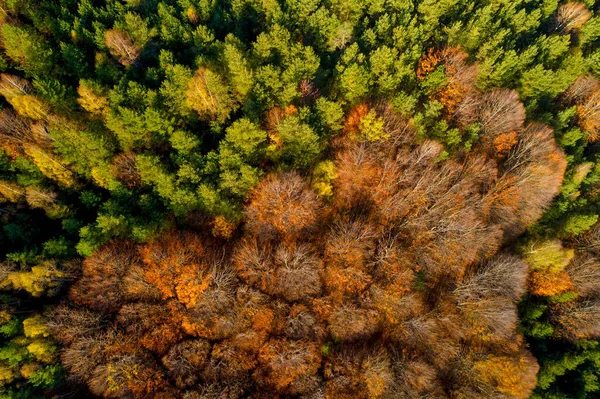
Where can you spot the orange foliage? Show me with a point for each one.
(504, 142)
(428, 63)
(390, 289)
(459, 74)
(175, 267)
(514, 377)
(283, 205)
(352, 122)
(547, 283)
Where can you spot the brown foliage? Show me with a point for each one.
(584, 94)
(12, 86)
(358, 373)
(282, 206)
(531, 176)
(309, 89)
(578, 319)
(460, 77)
(571, 16)
(124, 168)
(584, 273)
(588, 115)
(288, 366)
(186, 360)
(100, 288)
(391, 289)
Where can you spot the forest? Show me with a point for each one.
(299, 199)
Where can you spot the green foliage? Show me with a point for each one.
(240, 152)
(28, 358)
(577, 224)
(301, 146)
(166, 125)
(28, 50)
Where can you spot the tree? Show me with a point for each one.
(531, 176)
(284, 205)
(121, 46)
(497, 111)
(209, 96)
(300, 144)
(504, 275)
(28, 49)
(44, 279)
(578, 319)
(584, 272)
(514, 377)
(287, 365)
(92, 98)
(571, 16)
(176, 268)
(101, 287)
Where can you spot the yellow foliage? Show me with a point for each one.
(5, 317)
(30, 106)
(507, 373)
(371, 127)
(11, 191)
(223, 228)
(43, 351)
(192, 15)
(7, 375)
(35, 327)
(38, 281)
(547, 255)
(323, 175)
(92, 102)
(103, 177)
(209, 96)
(50, 166)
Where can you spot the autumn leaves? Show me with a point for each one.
(391, 285)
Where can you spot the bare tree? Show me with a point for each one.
(283, 205)
(125, 169)
(13, 86)
(185, 361)
(584, 271)
(503, 276)
(298, 272)
(582, 89)
(500, 111)
(121, 46)
(100, 288)
(578, 319)
(571, 16)
(530, 178)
